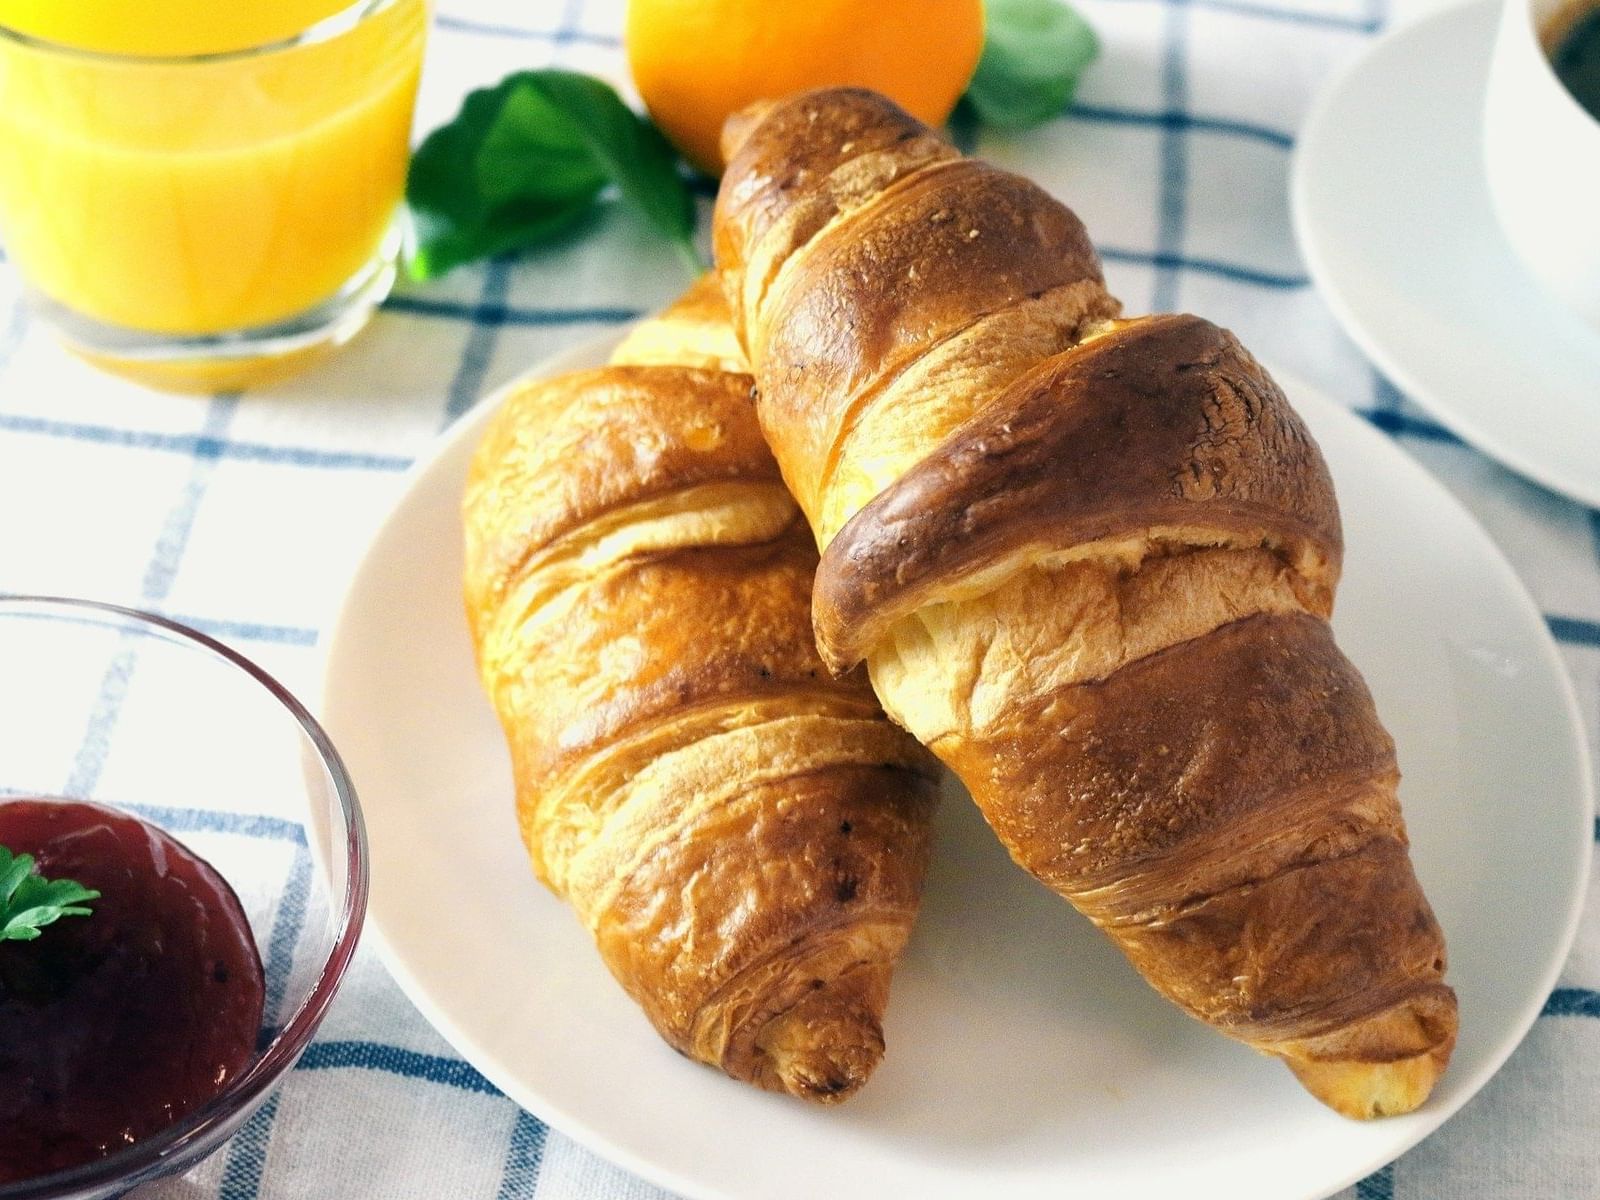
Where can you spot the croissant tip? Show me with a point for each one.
(823, 1051)
(1365, 1091)
(834, 1067)
(1385, 1065)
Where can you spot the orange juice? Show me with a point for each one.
(151, 190)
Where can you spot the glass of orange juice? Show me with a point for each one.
(201, 193)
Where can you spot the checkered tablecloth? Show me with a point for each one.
(243, 514)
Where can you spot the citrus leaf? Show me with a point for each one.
(532, 151)
(628, 148)
(1034, 52)
(526, 159)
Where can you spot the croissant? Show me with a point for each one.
(1090, 563)
(744, 836)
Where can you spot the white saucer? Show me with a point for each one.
(1026, 1058)
(1392, 214)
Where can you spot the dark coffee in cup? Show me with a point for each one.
(1572, 39)
(1541, 146)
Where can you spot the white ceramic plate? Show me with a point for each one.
(1392, 213)
(1025, 1057)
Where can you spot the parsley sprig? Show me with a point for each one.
(29, 901)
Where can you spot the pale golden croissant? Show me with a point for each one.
(1090, 564)
(744, 836)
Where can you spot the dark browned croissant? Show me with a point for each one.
(1090, 563)
(743, 835)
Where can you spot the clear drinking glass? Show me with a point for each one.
(136, 712)
(205, 220)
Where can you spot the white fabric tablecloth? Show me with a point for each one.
(244, 514)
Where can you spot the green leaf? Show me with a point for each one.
(13, 870)
(29, 902)
(526, 159)
(532, 153)
(1034, 52)
(629, 149)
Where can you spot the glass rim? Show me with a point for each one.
(203, 1130)
(332, 26)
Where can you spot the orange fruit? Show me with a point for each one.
(696, 61)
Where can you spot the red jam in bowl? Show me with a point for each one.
(116, 1024)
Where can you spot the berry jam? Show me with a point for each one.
(117, 1024)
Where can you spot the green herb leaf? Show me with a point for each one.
(29, 902)
(526, 159)
(1034, 52)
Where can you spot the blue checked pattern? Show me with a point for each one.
(241, 515)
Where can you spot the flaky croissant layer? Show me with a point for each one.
(743, 835)
(1089, 562)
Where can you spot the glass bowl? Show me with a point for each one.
(131, 710)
